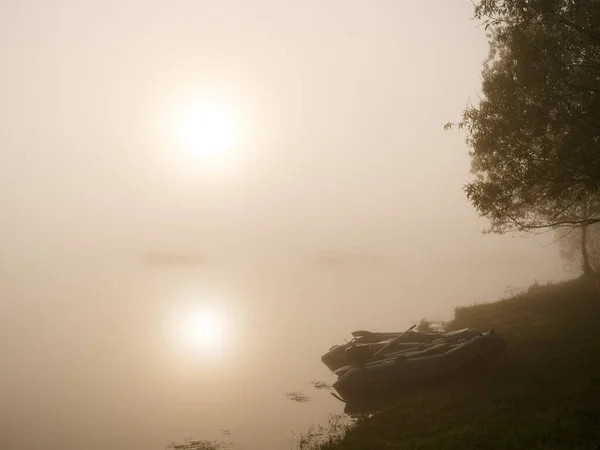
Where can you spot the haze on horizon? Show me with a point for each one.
(324, 197)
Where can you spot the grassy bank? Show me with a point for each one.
(543, 394)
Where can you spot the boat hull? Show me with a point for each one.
(337, 356)
(356, 385)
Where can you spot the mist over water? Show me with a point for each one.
(89, 362)
(344, 210)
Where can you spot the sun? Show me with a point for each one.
(201, 330)
(209, 131)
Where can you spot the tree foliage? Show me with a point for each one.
(535, 135)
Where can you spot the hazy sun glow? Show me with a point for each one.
(201, 328)
(209, 131)
(198, 331)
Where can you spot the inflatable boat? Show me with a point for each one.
(368, 347)
(363, 379)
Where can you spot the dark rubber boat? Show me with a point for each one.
(360, 381)
(368, 347)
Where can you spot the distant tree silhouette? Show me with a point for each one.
(581, 248)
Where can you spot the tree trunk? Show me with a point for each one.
(587, 267)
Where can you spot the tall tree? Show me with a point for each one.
(581, 247)
(535, 135)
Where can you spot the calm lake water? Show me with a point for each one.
(88, 361)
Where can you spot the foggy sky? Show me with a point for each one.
(342, 150)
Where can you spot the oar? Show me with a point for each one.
(393, 341)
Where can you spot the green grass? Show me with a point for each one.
(543, 394)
